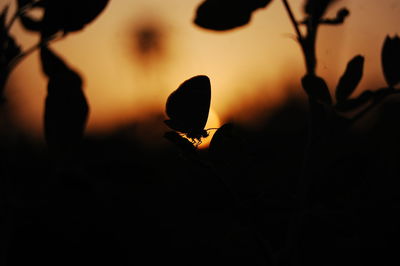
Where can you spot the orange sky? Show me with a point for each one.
(250, 68)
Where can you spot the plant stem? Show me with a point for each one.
(293, 20)
(303, 204)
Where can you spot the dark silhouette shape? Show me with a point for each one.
(350, 79)
(316, 9)
(66, 108)
(183, 143)
(223, 15)
(341, 15)
(187, 107)
(344, 212)
(221, 140)
(62, 16)
(59, 19)
(9, 49)
(391, 60)
(228, 146)
(316, 88)
(352, 104)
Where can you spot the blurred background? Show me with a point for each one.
(131, 194)
(137, 52)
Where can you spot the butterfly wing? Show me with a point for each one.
(188, 106)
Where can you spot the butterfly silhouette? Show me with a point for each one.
(188, 106)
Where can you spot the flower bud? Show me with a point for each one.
(391, 60)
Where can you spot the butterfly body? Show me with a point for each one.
(188, 107)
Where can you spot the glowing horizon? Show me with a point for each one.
(249, 67)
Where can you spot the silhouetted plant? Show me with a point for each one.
(328, 118)
(228, 159)
(66, 108)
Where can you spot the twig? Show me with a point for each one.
(21, 10)
(293, 20)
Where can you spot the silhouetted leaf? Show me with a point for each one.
(8, 51)
(52, 65)
(227, 146)
(222, 142)
(317, 8)
(27, 4)
(188, 107)
(226, 14)
(8, 47)
(30, 24)
(391, 60)
(352, 104)
(350, 79)
(66, 108)
(22, 3)
(339, 19)
(316, 88)
(184, 144)
(63, 15)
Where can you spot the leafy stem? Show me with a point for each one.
(308, 45)
(307, 42)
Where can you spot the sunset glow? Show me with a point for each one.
(213, 123)
(251, 65)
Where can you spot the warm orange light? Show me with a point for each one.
(248, 67)
(212, 122)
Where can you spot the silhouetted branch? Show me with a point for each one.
(293, 20)
(18, 12)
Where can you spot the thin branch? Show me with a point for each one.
(293, 20)
(21, 10)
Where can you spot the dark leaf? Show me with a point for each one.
(66, 108)
(353, 104)
(3, 16)
(316, 88)
(69, 15)
(26, 4)
(228, 146)
(23, 3)
(317, 8)
(30, 24)
(350, 79)
(222, 143)
(391, 60)
(52, 65)
(9, 50)
(221, 137)
(184, 144)
(339, 19)
(223, 15)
